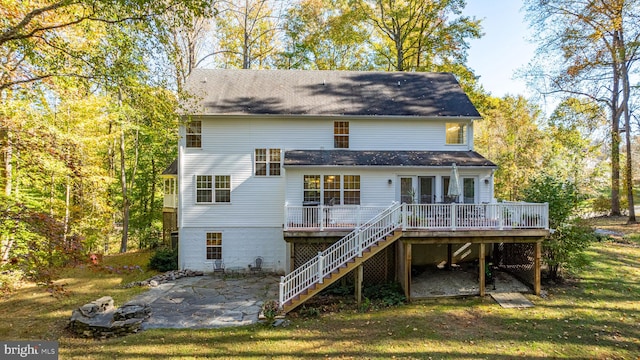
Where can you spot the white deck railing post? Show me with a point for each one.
(285, 224)
(403, 213)
(281, 296)
(453, 216)
(359, 243)
(321, 216)
(500, 216)
(320, 267)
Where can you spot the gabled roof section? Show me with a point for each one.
(385, 158)
(171, 169)
(326, 93)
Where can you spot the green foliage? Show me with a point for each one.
(34, 242)
(270, 310)
(309, 312)
(164, 259)
(385, 295)
(510, 137)
(562, 197)
(564, 249)
(10, 280)
(602, 203)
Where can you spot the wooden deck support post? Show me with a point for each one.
(407, 271)
(536, 268)
(481, 269)
(359, 274)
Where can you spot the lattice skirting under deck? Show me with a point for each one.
(377, 270)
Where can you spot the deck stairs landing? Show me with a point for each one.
(340, 258)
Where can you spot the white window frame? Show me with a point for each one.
(340, 136)
(213, 188)
(270, 161)
(459, 127)
(337, 188)
(194, 134)
(214, 246)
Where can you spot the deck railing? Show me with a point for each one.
(496, 216)
(170, 201)
(329, 217)
(338, 254)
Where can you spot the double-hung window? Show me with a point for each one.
(194, 134)
(311, 189)
(332, 189)
(351, 190)
(214, 245)
(341, 134)
(456, 134)
(268, 162)
(212, 189)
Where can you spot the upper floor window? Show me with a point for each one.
(268, 162)
(341, 134)
(194, 134)
(456, 134)
(213, 189)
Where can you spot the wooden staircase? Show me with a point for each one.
(342, 271)
(340, 258)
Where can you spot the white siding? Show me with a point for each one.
(223, 136)
(375, 189)
(240, 247)
(252, 223)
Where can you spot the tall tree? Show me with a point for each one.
(510, 136)
(247, 32)
(588, 48)
(325, 35)
(416, 35)
(574, 151)
(38, 39)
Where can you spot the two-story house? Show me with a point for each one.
(290, 165)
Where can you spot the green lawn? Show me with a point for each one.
(596, 317)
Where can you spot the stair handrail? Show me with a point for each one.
(349, 247)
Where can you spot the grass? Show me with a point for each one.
(41, 313)
(595, 317)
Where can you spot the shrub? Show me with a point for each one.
(164, 259)
(564, 249)
(385, 295)
(309, 312)
(10, 280)
(270, 310)
(565, 246)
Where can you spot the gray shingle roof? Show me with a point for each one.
(306, 92)
(172, 169)
(384, 158)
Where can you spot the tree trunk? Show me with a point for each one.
(615, 142)
(629, 170)
(125, 197)
(7, 239)
(626, 94)
(8, 162)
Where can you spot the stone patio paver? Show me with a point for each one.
(208, 301)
